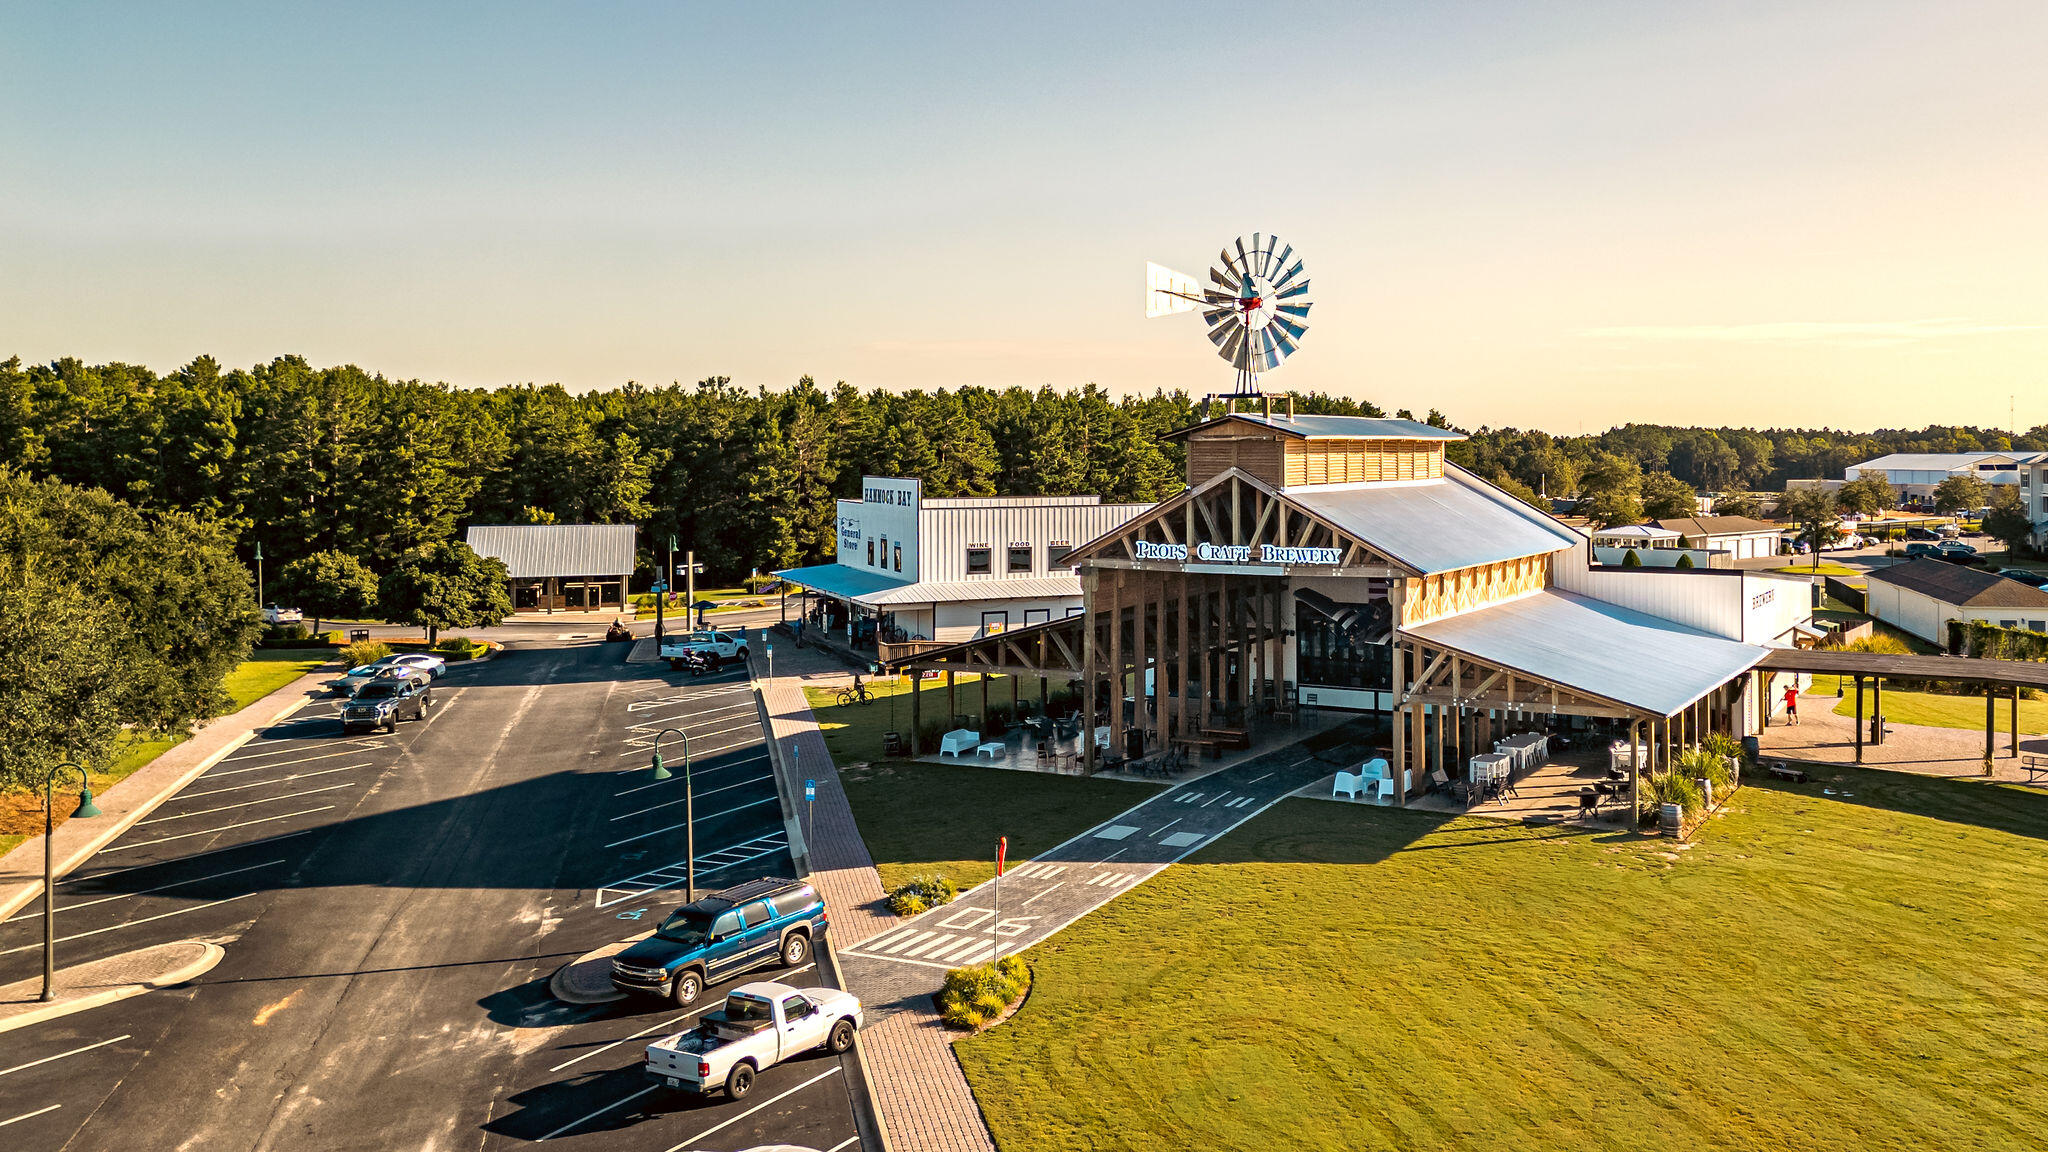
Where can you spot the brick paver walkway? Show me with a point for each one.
(923, 1097)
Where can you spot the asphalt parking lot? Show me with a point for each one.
(392, 907)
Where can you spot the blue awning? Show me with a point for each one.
(841, 582)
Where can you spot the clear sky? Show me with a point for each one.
(1556, 215)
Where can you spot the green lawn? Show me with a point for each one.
(266, 672)
(1827, 568)
(1937, 711)
(946, 817)
(1861, 972)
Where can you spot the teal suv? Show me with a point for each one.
(752, 925)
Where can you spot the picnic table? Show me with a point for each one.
(1208, 744)
(1235, 737)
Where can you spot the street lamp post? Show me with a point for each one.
(689, 810)
(259, 574)
(86, 810)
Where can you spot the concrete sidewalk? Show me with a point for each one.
(1821, 736)
(106, 980)
(126, 803)
(916, 1081)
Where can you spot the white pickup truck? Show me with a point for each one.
(761, 1025)
(720, 646)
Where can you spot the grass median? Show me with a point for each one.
(21, 814)
(1861, 971)
(945, 818)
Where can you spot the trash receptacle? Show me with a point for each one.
(1134, 744)
(1752, 748)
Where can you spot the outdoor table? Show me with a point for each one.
(1102, 736)
(1619, 756)
(994, 750)
(1528, 749)
(958, 741)
(1488, 766)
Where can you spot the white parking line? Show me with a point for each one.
(712, 816)
(849, 1142)
(1219, 796)
(724, 1124)
(599, 1112)
(132, 923)
(1165, 826)
(699, 715)
(647, 1031)
(679, 775)
(209, 831)
(1061, 884)
(1256, 779)
(33, 1115)
(685, 800)
(267, 783)
(283, 763)
(144, 892)
(244, 804)
(61, 1055)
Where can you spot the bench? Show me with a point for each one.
(1210, 746)
(2036, 766)
(1235, 737)
(1782, 771)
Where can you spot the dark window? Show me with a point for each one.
(727, 924)
(899, 557)
(759, 914)
(885, 551)
(1336, 657)
(977, 562)
(1020, 558)
(795, 1008)
(871, 553)
(791, 903)
(1054, 551)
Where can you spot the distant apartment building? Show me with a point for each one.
(1917, 474)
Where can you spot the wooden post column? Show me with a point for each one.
(1859, 718)
(1990, 724)
(916, 713)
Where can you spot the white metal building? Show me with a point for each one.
(1739, 536)
(1922, 596)
(954, 568)
(1917, 474)
(573, 567)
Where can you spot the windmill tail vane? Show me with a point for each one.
(1255, 304)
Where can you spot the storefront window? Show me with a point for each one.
(871, 553)
(1053, 552)
(1337, 657)
(885, 551)
(977, 562)
(899, 557)
(1020, 558)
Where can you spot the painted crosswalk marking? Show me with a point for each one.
(1039, 871)
(1241, 802)
(1116, 832)
(1112, 879)
(1187, 798)
(678, 873)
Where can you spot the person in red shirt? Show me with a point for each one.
(1792, 704)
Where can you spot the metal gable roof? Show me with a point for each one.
(1334, 427)
(540, 550)
(1591, 646)
(1438, 526)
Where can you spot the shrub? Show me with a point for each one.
(454, 644)
(1684, 561)
(974, 996)
(365, 651)
(1677, 788)
(921, 894)
(1722, 744)
(1881, 642)
(1702, 764)
(1631, 560)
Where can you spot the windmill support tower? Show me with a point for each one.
(1255, 304)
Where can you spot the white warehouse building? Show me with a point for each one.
(953, 568)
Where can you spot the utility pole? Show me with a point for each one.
(259, 574)
(690, 584)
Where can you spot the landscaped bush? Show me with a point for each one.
(1883, 643)
(922, 894)
(1677, 788)
(365, 651)
(973, 997)
(1702, 764)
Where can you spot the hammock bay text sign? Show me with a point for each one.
(1240, 553)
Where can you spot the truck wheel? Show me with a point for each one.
(739, 1081)
(841, 1038)
(794, 948)
(688, 986)
(741, 655)
(391, 725)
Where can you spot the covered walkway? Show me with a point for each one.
(2000, 680)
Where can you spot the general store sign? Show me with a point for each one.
(1240, 553)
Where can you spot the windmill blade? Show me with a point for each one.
(1160, 284)
(1243, 261)
(1266, 262)
(1283, 339)
(1291, 293)
(1287, 279)
(1226, 279)
(1292, 329)
(1298, 311)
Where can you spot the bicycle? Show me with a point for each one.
(858, 694)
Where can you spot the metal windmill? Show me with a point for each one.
(1256, 304)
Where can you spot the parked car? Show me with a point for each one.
(349, 682)
(386, 700)
(1920, 549)
(426, 662)
(272, 614)
(1948, 531)
(2026, 576)
(761, 1025)
(1917, 533)
(749, 926)
(719, 646)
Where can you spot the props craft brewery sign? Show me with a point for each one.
(1240, 553)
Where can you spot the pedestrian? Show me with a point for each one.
(1792, 704)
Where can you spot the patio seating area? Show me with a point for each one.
(1039, 744)
(1523, 780)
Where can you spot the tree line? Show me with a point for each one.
(313, 460)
